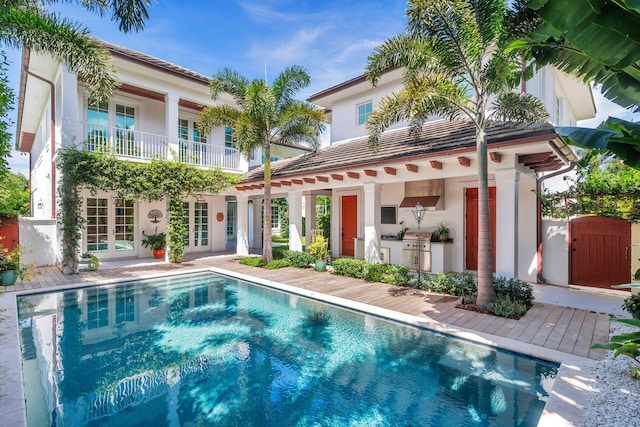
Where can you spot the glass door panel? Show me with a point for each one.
(125, 125)
(201, 224)
(124, 225)
(97, 225)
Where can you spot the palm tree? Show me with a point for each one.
(264, 115)
(454, 65)
(26, 24)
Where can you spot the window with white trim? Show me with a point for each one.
(228, 138)
(364, 111)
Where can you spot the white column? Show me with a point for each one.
(70, 111)
(507, 182)
(257, 224)
(242, 242)
(310, 215)
(171, 100)
(371, 215)
(295, 220)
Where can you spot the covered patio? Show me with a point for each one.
(437, 168)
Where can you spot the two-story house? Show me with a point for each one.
(152, 115)
(373, 192)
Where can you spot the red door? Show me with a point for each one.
(471, 226)
(9, 235)
(349, 223)
(600, 251)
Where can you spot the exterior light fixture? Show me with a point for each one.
(418, 214)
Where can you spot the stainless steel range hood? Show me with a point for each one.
(429, 193)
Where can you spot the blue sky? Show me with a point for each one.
(330, 38)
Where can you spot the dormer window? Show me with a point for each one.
(364, 111)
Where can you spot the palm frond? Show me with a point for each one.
(130, 14)
(65, 40)
(519, 107)
(260, 102)
(398, 51)
(300, 122)
(230, 81)
(218, 115)
(288, 83)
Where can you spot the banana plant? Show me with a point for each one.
(627, 344)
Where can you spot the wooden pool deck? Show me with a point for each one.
(568, 330)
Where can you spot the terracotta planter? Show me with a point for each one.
(443, 237)
(159, 253)
(8, 277)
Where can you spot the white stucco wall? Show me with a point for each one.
(555, 251)
(39, 237)
(527, 229)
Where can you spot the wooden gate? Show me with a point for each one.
(600, 251)
(9, 234)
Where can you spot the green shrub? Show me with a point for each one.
(505, 306)
(466, 287)
(375, 272)
(349, 267)
(93, 264)
(440, 283)
(518, 291)
(279, 251)
(298, 259)
(275, 264)
(252, 261)
(397, 275)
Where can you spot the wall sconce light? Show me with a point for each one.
(40, 204)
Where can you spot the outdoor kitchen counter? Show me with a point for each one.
(441, 254)
(393, 245)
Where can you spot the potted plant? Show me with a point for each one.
(443, 232)
(157, 242)
(319, 248)
(402, 231)
(11, 268)
(631, 304)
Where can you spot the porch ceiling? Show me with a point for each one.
(398, 151)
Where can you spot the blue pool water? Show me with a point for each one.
(208, 350)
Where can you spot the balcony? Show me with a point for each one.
(144, 146)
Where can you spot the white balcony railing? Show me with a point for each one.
(202, 154)
(148, 146)
(122, 142)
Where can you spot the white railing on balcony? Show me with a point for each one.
(122, 142)
(134, 144)
(202, 154)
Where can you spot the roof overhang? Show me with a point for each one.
(327, 97)
(578, 94)
(36, 71)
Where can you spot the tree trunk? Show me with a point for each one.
(486, 293)
(267, 254)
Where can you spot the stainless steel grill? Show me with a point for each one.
(414, 254)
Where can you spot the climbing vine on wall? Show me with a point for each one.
(131, 181)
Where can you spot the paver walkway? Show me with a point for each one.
(568, 330)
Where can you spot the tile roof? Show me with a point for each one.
(152, 61)
(435, 138)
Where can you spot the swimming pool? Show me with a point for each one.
(207, 349)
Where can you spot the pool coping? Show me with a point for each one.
(566, 405)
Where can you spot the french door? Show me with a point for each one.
(111, 227)
(196, 216)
